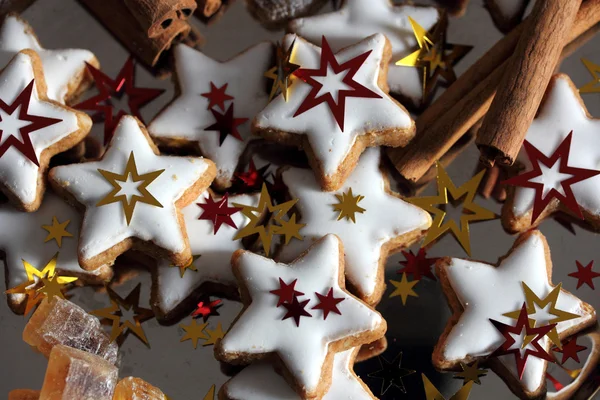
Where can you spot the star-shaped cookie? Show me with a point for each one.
(357, 19)
(561, 113)
(372, 119)
(387, 224)
(303, 349)
(140, 208)
(478, 292)
(185, 120)
(32, 130)
(64, 69)
(174, 294)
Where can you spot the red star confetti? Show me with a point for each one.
(286, 292)
(226, 124)
(296, 310)
(329, 65)
(217, 96)
(570, 350)
(417, 265)
(328, 303)
(219, 212)
(109, 89)
(585, 274)
(206, 308)
(253, 179)
(19, 122)
(545, 193)
(533, 348)
(557, 385)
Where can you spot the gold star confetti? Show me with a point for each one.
(594, 85)
(119, 308)
(190, 266)
(466, 195)
(213, 335)
(533, 302)
(51, 287)
(471, 373)
(404, 288)
(432, 393)
(57, 231)
(194, 332)
(282, 72)
(210, 395)
(347, 205)
(290, 229)
(143, 195)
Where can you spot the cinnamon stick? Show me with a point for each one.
(207, 8)
(522, 87)
(155, 16)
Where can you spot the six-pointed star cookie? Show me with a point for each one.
(478, 292)
(64, 69)
(304, 350)
(561, 113)
(387, 224)
(249, 384)
(154, 199)
(173, 293)
(183, 122)
(358, 19)
(32, 130)
(370, 121)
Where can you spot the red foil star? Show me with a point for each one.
(521, 355)
(577, 175)
(557, 385)
(217, 96)
(206, 308)
(218, 212)
(36, 122)
(253, 179)
(570, 350)
(585, 274)
(296, 310)
(286, 292)
(418, 265)
(329, 63)
(328, 303)
(226, 124)
(123, 85)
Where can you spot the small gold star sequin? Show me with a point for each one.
(471, 373)
(432, 393)
(211, 394)
(347, 205)
(404, 288)
(190, 266)
(51, 286)
(290, 229)
(57, 231)
(594, 85)
(194, 332)
(213, 335)
(282, 72)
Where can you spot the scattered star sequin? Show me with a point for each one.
(391, 373)
(585, 275)
(418, 265)
(57, 231)
(218, 212)
(328, 303)
(217, 96)
(286, 292)
(296, 310)
(194, 332)
(347, 205)
(281, 73)
(404, 288)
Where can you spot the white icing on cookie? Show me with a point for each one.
(61, 67)
(215, 250)
(303, 349)
(358, 19)
(486, 291)
(249, 384)
(187, 116)
(105, 226)
(362, 115)
(18, 173)
(386, 217)
(561, 113)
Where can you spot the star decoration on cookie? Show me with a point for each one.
(391, 373)
(128, 309)
(52, 286)
(289, 229)
(432, 393)
(389, 218)
(585, 275)
(189, 266)
(217, 96)
(213, 335)
(347, 205)
(57, 231)
(218, 212)
(282, 72)
(418, 265)
(448, 195)
(113, 91)
(194, 332)
(252, 179)
(296, 309)
(286, 292)
(245, 82)
(205, 308)
(570, 349)
(403, 288)
(471, 373)
(594, 85)
(130, 177)
(328, 303)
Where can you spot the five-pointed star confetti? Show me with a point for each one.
(328, 303)
(390, 218)
(304, 348)
(52, 286)
(282, 72)
(471, 373)
(205, 308)
(561, 115)
(194, 332)
(570, 349)
(63, 68)
(213, 335)
(404, 288)
(432, 393)
(296, 309)
(30, 125)
(128, 309)
(159, 227)
(57, 231)
(594, 85)
(218, 212)
(217, 96)
(347, 205)
(113, 91)
(245, 82)
(418, 265)
(358, 19)
(448, 195)
(485, 291)
(226, 124)
(585, 275)
(332, 138)
(391, 374)
(189, 266)
(251, 180)
(289, 228)
(286, 292)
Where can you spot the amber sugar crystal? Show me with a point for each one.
(131, 388)
(24, 394)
